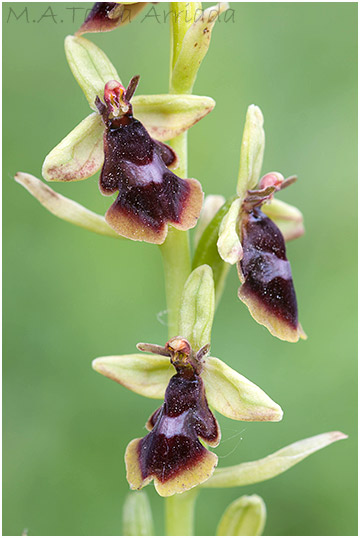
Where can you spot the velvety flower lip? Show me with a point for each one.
(171, 453)
(149, 194)
(264, 270)
(106, 16)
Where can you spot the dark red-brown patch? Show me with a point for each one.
(172, 446)
(103, 17)
(265, 268)
(135, 165)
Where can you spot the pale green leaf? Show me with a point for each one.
(65, 208)
(207, 253)
(257, 471)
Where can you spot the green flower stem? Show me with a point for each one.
(176, 261)
(180, 513)
(175, 251)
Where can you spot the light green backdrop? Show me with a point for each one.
(70, 296)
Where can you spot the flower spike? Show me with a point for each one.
(150, 196)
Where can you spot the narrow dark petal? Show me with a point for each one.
(167, 154)
(149, 195)
(172, 453)
(268, 288)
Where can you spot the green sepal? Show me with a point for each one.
(198, 307)
(277, 463)
(207, 252)
(137, 515)
(147, 375)
(167, 116)
(252, 151)
(234, 396)
(288, 218)
(244, 517)
(90, 66)
(79, 155)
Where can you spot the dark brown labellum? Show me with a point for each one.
(172, 453)
(136, 166)
(268, 288)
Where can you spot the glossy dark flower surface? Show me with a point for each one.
(150, 195)
(172, 453)
(264, 270)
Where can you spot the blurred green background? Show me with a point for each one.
(70, 296)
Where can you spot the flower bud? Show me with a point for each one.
(197, 307)
(244, 517)
(137, 516)
(252, 151)
(194, 47)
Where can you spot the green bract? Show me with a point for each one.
(257, 471)
(63, 207)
